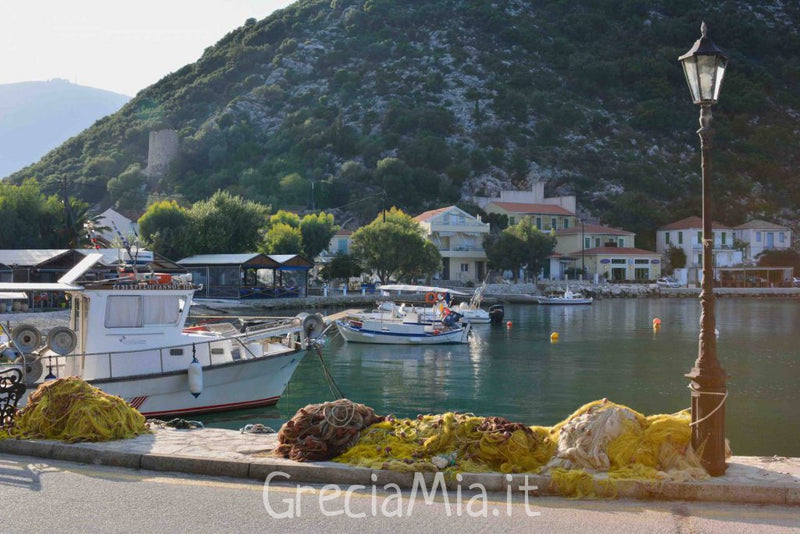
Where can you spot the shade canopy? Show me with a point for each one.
(704, 67)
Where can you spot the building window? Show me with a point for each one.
(511, 221)
(758, 237)
(621, 242)
(680, 238)
(723, 238)
(780, 237)
(666, 238)
(566, 223)
(587, 242)
(699, 238)
(641, 262)
(618, 261)
(341, 245)
(465, 267)
(597, 242)
(539, 223)
(461, 219)
(553, 223)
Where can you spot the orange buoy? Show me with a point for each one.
(509, 324)
(656, 321)
(430, 298)
(554, 337)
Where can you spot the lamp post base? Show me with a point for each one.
(709, 394)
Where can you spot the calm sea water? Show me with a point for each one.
(607, 350)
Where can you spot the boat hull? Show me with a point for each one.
(365, 335)
(563, 301)
(230, 386)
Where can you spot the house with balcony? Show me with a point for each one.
(340, 243)
(760, 236)
(687, 234)
(547, 212)
(603, 251)
(459, 238)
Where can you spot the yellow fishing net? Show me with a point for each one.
(71, 410)
(601, 437)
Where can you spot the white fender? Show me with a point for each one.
(195, 378)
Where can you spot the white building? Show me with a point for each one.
(459, 238)
(761, 235)
(687, 234)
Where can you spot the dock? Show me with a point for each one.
(340, 315)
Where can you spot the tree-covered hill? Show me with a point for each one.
(428, 103)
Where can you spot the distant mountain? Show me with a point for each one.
(354, 104)
(36, 117)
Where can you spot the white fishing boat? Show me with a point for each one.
(128, 336)
(568, 297)
(402, 324)
(409, 330)
(471, 312)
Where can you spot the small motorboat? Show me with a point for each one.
(568, 297)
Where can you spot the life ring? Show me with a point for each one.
(430, 298)
(440, 296)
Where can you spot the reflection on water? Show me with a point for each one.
(608, 349)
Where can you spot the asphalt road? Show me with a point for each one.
(53, 496)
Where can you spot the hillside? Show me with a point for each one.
(36, 117)
(429, 103)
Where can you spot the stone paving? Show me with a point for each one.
(221, 452)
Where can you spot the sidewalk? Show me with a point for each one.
(220, 452)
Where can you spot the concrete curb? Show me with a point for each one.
(739, 485)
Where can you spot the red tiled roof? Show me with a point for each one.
(532, 209)
(692, 222)
(617, 251)
(428, 215)
(342, 231)
(592, 229)
(758, 225)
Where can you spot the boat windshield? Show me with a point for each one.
(136, 311)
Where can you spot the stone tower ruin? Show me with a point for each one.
(162, 150)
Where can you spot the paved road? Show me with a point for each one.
(52, 496)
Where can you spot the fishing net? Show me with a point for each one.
(598, 444)
(323, 431)
(463, 442)
(71, 410)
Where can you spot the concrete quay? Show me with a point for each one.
(230, 453)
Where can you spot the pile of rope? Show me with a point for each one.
(71, 410)
(601, 438)
(323, 431)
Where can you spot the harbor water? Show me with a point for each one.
(606, 350)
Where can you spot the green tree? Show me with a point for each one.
(285, 217)
(394, 248)
(282, 238)
(537, 245)
(163, 228)
(342, 267)
(676, 258)
(29, 219)
(505, 251)
(225, 223)
(126, 190)
(317, 231)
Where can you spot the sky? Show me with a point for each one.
(120, 46)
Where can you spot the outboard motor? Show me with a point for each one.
(496, 313)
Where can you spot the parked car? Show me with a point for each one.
(667, 282)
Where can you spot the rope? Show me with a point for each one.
(335, 391)
(712, 412)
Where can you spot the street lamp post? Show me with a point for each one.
(704, 66)
(583, 255)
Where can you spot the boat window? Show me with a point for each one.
(123, 311)
(161, 309)
(131, 311)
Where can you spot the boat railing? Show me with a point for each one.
(108, 365)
